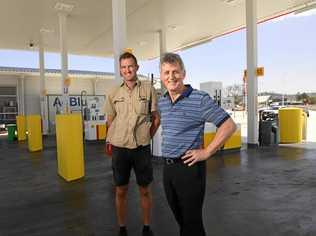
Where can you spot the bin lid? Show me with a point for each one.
(11, 125)
(290, 108)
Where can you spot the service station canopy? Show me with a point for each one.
(89, 24)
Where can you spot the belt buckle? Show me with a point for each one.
(169, 161)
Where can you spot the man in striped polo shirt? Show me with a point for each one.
(183, 113)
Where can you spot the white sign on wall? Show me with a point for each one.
(77, 103)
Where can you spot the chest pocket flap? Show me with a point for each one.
(119, 104)
(142, 107)
(144, 99)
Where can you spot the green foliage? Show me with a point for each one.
(302, 97)
(312, 100)
(238, 100)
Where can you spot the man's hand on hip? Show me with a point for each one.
(193, 156)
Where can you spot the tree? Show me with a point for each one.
(312, 100)
(234, 90)
(302, 96)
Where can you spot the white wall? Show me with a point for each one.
(103, 86)
(8, 80)
(31, 95)
(53, 86)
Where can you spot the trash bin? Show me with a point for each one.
(11, 131)
(268, 133)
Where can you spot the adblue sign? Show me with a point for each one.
(74, 102)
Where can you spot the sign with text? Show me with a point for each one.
(76, 104)
(259, 72)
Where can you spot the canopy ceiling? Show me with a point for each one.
(187, 23)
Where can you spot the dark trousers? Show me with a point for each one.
(185, 189)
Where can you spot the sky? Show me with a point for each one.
(286, 50)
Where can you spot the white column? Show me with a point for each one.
(41, 66)
(162, 42)
(64, 60)
(21, 96)
(162, 50)
(119, 32)
(43, 99)
(94, 85)
(252, 82)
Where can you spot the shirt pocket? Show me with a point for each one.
(119, 104)
(142, 106)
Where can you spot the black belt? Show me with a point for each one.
(169, 161)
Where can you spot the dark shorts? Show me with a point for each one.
(124, 159)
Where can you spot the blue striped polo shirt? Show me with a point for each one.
(183, 121)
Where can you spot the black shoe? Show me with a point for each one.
(122, 231)
(147, 231)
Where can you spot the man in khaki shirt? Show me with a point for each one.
(132, 118)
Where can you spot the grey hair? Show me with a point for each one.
(172, 58)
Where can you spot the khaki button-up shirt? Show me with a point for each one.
(131, 111)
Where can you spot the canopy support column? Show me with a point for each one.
(119, 32)
(43, 99)
(252, 82)
(64, 61)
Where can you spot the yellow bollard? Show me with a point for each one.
(34, 129)
(101, 132)
(70, 146)
(21, 127)
(232, 143)
(290, 123)
(235, 140)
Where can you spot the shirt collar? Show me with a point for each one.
(137, 82)
(188, 91)
(185, 93)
